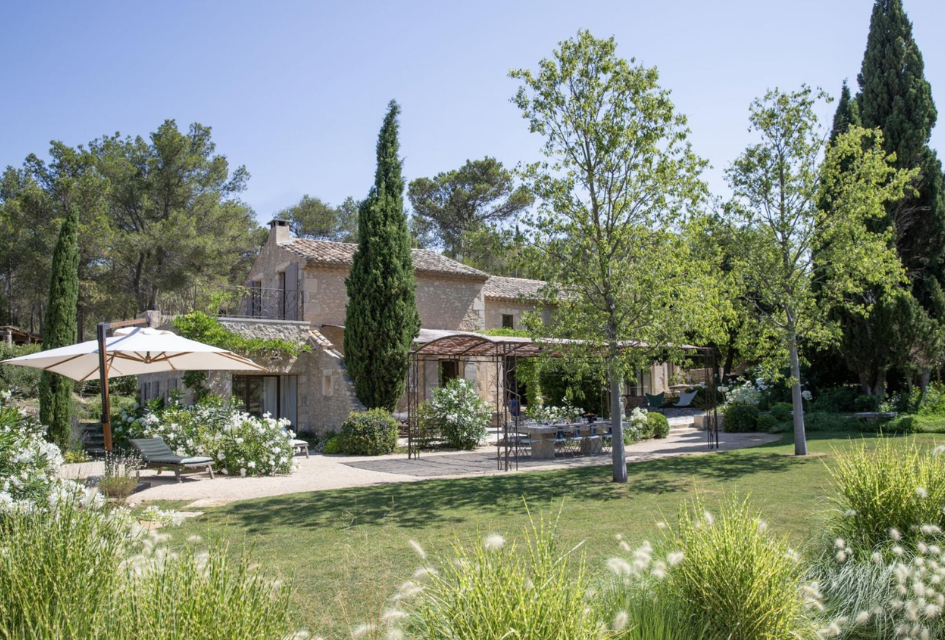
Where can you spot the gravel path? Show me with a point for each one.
(320, 472)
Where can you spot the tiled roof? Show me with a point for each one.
(342, 254)
(512, 288)
(318, 338)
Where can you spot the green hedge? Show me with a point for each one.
(368, 433)
(822, 421)
(782, 411)
(866, 403)
(836, 399)
(740, 418)
(766, 422)
(658, 424)
(332, 445)
(913, 424)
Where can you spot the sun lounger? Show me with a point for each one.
(157, 455)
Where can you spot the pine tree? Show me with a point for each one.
(59, 330)
(895, 96)
(381, 319)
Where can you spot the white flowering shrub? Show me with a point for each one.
(248, 446)
(28, 463)
(239, 443)
(637, 427)
(463, 416)
(746, 393)
(554, 414)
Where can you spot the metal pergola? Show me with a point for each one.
(501, 355)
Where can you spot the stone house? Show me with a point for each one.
(296, 291)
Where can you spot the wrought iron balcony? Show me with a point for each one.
(236, 302)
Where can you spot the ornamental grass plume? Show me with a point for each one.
(491, 591)
(59, 570)
(891, 490)
(887, 597)
(209, 593)
(737, 579)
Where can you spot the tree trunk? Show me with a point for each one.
(616, 421)
(924, 378)
(866, 383)
(879, 385)
(800, 437)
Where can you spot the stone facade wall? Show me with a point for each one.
(293, 331)
(325, 294)
(450, 303)
(273, 259)
(496, 308)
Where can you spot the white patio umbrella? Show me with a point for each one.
(133, 351)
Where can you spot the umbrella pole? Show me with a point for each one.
(103, 379)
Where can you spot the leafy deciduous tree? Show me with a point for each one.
(619, 175)
(777, 186)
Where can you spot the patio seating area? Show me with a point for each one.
(498, 358)
(549, 441)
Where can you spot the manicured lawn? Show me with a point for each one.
(348, 550)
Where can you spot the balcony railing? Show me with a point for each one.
(236, 302)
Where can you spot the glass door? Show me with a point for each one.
(275, 395)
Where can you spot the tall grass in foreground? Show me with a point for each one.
(736, 577)
(59, 571)
(640, 614)
(891, 486)
(496, 590)
(85, 574)
(856, 588)
(200, 594)
(882, 572)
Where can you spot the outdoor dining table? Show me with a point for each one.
(542, 438)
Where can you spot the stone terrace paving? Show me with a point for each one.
(320, 472)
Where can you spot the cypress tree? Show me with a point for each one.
(381, 320)
(847, 113)
(896, 97)
(59, 330)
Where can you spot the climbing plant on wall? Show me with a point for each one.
(203, 328)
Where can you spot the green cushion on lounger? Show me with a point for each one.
(156, 451)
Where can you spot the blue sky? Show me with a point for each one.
(296, 90)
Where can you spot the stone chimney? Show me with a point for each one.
(279, 230)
